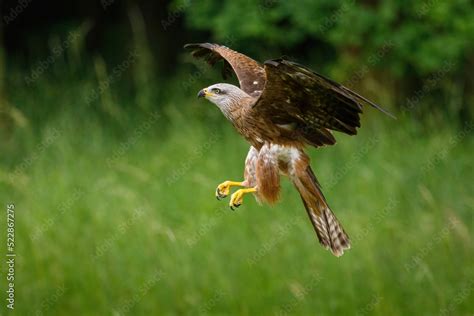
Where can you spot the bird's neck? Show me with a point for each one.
(234, 110)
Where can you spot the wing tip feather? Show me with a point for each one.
(282, 60)
(272, 62)
(199, 45)
(365, 100)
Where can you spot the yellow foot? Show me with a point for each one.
(237, 198)
(223, 189)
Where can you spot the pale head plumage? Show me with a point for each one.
(225, 96)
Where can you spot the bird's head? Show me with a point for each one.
(223, 95)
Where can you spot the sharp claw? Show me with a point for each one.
(219, 196)
(234, 206)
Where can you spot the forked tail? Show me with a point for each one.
(330, 232)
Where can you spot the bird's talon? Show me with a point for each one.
(236, 198)
(235, 206)
(219, 196)
(223, 189)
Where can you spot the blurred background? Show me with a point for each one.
(112, 162)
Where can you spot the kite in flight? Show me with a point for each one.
(280, 108)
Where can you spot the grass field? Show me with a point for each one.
(123, 220)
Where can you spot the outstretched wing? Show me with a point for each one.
(249, 72)
(295, 94)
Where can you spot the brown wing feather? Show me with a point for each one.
(333, 85)
(293, 93)
(250, 73)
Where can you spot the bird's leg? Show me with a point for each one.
(223, 189)
(237, 198)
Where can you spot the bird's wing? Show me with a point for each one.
(250, 73)
(295, 94)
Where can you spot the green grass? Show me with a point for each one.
(123, 220)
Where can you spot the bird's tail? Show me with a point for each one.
(330, 232)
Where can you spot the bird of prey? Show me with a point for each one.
(280, 108)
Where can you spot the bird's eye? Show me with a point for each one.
(216, 90)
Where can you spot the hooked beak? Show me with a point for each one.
(202, 93)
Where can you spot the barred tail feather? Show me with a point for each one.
(330, 233)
